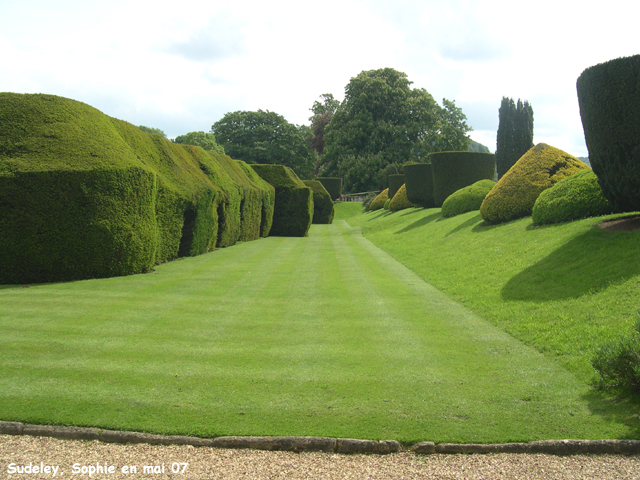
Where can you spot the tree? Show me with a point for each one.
(154, 131)
(322, 115)
(200, 139)
(515, 133)
(383, 121)
(264, 137)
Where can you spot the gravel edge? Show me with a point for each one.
(324, 444)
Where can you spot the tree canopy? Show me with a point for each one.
(322, 114)
(205, 140)
(515, 133)
(383, 121)
(264, 137)
(154, 131)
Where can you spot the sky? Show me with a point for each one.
(180, 66)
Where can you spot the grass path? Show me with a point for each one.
(325, 335)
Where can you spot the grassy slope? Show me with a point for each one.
(325, 335)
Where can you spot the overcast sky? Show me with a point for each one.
(180, 66)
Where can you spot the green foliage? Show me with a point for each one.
(618, 362)
(400, 200)
(478, 147)
(467, 199)
(516, 192)
(386, 204)
(384, 121)
(85, 195)
(609, 99)
(366, 202)
(153, 131)
(395, 182)
(333, 185)
(378, 202)
(515, 133)
(293, 211)
(201, 139)
(419, 184)
(382, 176)
(323, 210)
(264, 138)
(574, 197)
(455, 170)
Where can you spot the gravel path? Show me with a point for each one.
(211, 463)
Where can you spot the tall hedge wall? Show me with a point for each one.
(323, 210)
(333, 185)
(84, 195)
(293, 211)
(395, 182)
(418, 179)
(609, 99)
(455, 170)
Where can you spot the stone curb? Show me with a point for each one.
(325, 444)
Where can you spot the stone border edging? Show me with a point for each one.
(325, 444)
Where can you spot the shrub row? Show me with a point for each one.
(419, 184)
(395, 182)
(83, 195)
(333, 186)
(323, 210)
(455, 170)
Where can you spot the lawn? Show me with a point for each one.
(326, 335)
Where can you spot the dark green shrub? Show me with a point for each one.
(455, 170)
(293, 211)
(322, 204)
(467, 199)
(516, 192)
(418, 180)
(367, 200)
(400, 200)
(378, 202)
(609, 99)
(572, 198)
(395, 182)
(333, 185)
(618, 362)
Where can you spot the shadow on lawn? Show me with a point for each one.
(421, 222)
(619, 407)
(472, 221)
(589, 263)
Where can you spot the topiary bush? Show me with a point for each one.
(516, 192)
(572, 198)
(333, 185)
(400, 200)
(293, 211)
(609, 99)
(386, 204)
(467, 199)
(418, 180)
(378, 202)
(395, 182)
(455, 170)
(323, 210)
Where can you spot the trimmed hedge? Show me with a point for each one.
(395, 182)
(378, 202)
(333, 185)
(516, 192)
(418, 180)
(400, 200)
(572, 198)
(609, 99)
(323, 210)
(293, 211)
(467, 199)
(84, 195)
(455, 170)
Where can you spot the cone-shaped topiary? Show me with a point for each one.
(572, 198)
(418, 180)
(516, 192)
(322, 204)
(400, 200)
(609, 98)
(378, 202)
(467, 199)
(455, 170)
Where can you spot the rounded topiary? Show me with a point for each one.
(467, 199)
(333, 185)
(378, 202)
(323, 210)
(400, 200)
(609, 99)
(516, 192)
(418, 180)
(455, 170)
(395, 182)
(572, 198)
(386, 204)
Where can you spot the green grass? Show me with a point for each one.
(326, 335)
